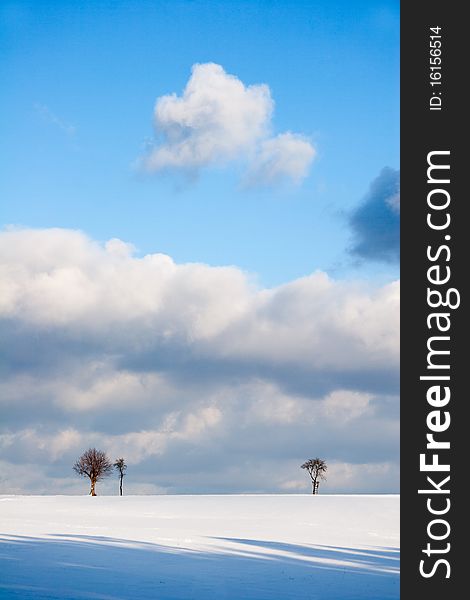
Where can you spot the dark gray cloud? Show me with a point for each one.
(376, 222)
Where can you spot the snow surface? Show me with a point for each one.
(241, 547)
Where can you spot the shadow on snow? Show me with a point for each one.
(86, 566)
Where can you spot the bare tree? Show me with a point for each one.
(316, 468)
(95, 465)
(120, 466)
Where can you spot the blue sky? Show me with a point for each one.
(249, 152)
(80, 84)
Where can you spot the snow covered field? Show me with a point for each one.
(200, 547)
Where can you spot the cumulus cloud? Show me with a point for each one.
(60, 282)
(216, 117)
(219, 119)
(287, 155)
(157, 361)
(376, 222)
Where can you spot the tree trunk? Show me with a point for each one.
(92, 491)
(315, 486)
(120, 486)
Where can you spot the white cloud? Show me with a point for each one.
(355, 477)
(99, 386)
(394, 203)
(218, 119)
(33, 444)
(344, 405)
(157, 361)
(286, 156)
(62, 281)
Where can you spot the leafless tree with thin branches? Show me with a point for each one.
(95, 465)
(316, 468)
(121, 467)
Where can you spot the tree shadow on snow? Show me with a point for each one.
(85, 566)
